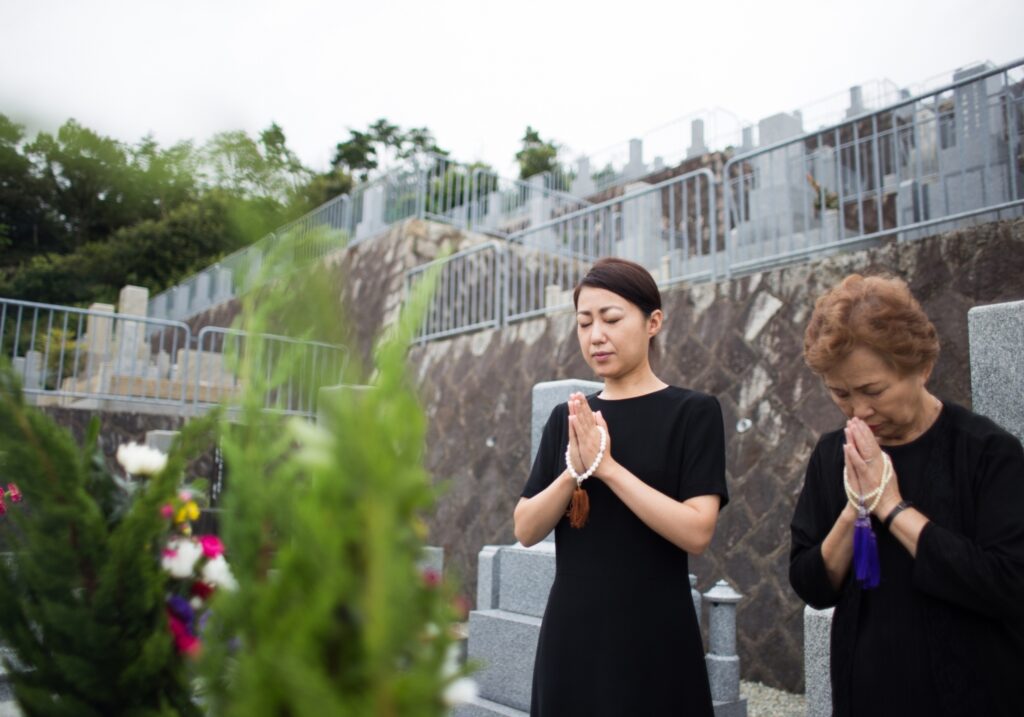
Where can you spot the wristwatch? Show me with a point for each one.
(900, 507)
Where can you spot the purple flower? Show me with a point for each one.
(180, 608)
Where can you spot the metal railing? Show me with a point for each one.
(65, 355)
(428, 186)
(670, 227)
(468, 293)
(941, 157)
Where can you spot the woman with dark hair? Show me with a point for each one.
(910, 521)
(631, 479)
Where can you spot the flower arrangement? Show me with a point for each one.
(83, 596)
(195, 565)
(196, 569)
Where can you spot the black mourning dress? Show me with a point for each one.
(943, 634)
(619, 636)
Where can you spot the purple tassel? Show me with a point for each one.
(865, 552)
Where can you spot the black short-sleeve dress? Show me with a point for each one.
(619, 635)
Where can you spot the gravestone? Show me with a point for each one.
(997, 376)
(636, 167)
(641, 238)
(583, 183)
(697, 146)
(132, 353)
(722, 662)
(778, 196)
(222, 285)
(201, 295)
(179, 302)
(817, 661)
(157, 306)
(373, 212)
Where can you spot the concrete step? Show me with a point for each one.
(504, 644)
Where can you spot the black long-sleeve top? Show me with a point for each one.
(943, 634)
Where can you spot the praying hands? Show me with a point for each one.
(585, 441)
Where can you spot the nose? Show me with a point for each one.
(861, 408)
(597, 333)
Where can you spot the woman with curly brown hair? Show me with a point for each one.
(910, 521)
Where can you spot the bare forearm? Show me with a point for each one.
(837, 548)
(906, 527)
(689, 525)
(535, 517)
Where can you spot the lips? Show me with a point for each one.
(601, 356)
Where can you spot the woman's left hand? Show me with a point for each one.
(584, 422)
(865, 465)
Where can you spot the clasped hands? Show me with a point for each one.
(585, 438)
(864, 466)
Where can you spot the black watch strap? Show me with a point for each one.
(900, 507)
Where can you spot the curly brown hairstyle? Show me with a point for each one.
(877, 312)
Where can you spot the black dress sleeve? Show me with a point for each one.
(812, 520)
(550, 454)
(703, 464)
(984, 574)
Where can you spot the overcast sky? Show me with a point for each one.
(589, 75)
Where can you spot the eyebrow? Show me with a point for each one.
(855, 388)
(600, 311)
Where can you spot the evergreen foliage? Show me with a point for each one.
(536, 156)
(323, 525)
(82, 594)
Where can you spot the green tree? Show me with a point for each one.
(82, 595)
(536, 156)
(255, 168)
(331, 615)
(382, 142)
(27, 224)
(153, 253)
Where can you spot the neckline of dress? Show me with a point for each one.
(633, 398)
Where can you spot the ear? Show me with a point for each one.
(654, 322)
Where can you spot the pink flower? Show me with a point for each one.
(187, 643)
(431, 578)
(212, 545)
(167, 510)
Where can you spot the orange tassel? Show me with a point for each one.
(579, 508)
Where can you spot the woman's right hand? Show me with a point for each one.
(574, 448)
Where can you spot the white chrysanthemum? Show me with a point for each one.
(314, 441)
(140, 460)
(461, 691)
(182, 558)
(218, 572)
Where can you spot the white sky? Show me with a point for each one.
(586, 74)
